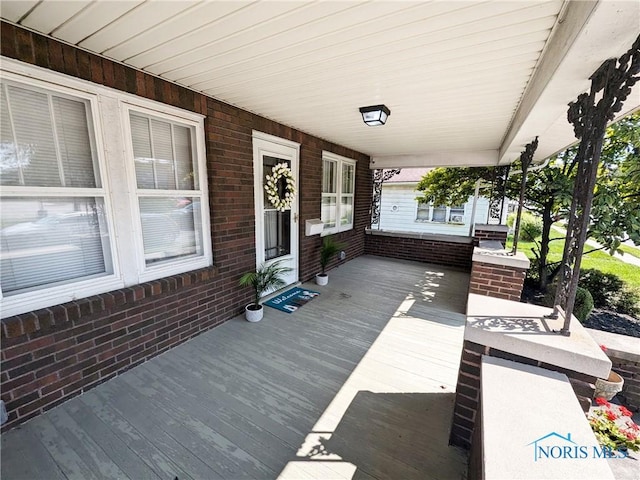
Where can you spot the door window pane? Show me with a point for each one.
(277, 225)
(48, 241)
(277, 233)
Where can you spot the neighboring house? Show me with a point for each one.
(401, 211)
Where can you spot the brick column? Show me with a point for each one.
(490, 232)
(496, 273)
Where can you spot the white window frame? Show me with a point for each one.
(340, 161)
(118, 187)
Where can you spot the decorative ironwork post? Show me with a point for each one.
(498, 193)
(379, 177)
(610, 85)
(526, 157)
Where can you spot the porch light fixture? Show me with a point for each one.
(375, 115)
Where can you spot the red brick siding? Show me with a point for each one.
(497, 281)
(420, 250)
(53, 354)
(630, 371)
(480, 234)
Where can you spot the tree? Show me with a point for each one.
(615, 215)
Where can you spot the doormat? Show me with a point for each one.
(292, 299)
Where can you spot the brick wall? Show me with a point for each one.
(55, 353)
(466, 411)
(420, 249)
(497, 281)
(490, 232)
(630, 371)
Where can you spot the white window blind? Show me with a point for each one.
(47, 141)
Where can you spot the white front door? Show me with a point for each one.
(276, 231)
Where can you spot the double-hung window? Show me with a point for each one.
(169, 198)
(338, 192)
(54, 208)
(77, 217)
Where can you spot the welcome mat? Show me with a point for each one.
(292, 299)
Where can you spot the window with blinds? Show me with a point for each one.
(53, 227)
(338, 191)
(169, 197)
(66, 188)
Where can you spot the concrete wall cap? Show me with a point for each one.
(525, 406)
(500, 257)
(522, 329)
(619, 346)
(433, 237)
(491, 228)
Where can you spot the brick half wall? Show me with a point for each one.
(438, 249)
(497, 281)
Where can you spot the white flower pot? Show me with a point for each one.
(253, 315)
(608, 388)
(322, 279)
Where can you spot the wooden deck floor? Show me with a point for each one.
(357, 384)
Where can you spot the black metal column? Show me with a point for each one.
(379, 177)
(610, 85)
(526, 157)
(498, 194)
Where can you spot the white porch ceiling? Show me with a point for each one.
(467, 82)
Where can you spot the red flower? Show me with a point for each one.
(602, 401)
(635, 427)
(603, 347)
(625, 411)
(610, 415)
(630, 435)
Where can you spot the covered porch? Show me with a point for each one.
(359, 383)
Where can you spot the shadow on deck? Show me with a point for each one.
(357, 384)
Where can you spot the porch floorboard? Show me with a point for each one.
(356, 384)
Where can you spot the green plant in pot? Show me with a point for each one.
(329, 249)
(266, 278)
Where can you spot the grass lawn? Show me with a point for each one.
(629, 250)
(629, 274)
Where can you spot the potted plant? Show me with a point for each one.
(265, 278)
(328, 250)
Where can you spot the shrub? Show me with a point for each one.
(530, 227)
(628, 302)
(604, 287)
(583, 304)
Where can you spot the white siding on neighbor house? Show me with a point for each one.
(399, 207)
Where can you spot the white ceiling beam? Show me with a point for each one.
(437, 159)
(571, 22)
(587, 34)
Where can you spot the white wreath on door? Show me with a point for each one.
(280, 171)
